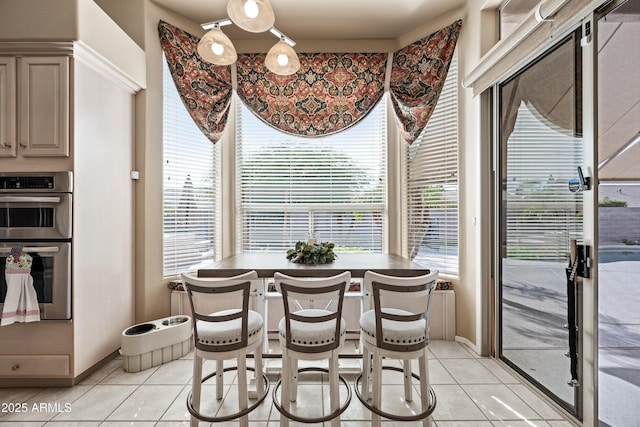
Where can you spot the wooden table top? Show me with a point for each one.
(266, 264)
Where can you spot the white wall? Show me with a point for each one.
(103, 210)
(473, 293)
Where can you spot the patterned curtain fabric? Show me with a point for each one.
(417, 76)
(205, 89)
(330, 92)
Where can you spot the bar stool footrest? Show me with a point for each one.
(299, 419)
(394, 417)
(229, 417)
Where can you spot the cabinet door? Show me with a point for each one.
(7, 107)
(43, 99)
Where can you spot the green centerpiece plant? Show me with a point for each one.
(312, 253)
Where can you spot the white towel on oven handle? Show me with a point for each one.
(21, 300)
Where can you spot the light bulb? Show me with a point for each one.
(217, 48)
(283, 59)
(251, 8)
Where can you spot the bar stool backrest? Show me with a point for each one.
(400, 299)
(236, 289)
(312, 293)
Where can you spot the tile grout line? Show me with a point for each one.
(172, 402)
(461, 388)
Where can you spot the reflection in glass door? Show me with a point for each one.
(619, 214)
(540, 149)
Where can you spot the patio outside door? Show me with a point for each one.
(540, 149)
(618, 258)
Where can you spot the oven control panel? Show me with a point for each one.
(26, 182)
(39, 182)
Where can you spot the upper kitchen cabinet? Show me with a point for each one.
(35, 109)
(7, 107)
(43, 106)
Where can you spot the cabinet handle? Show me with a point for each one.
(7, 145)
(23, 145)
(15, 367)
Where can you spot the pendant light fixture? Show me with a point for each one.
(215, 47)
(282, 59)
(254, 16)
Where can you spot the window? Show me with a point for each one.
(188, 187)
(432, 184)
(289, 186)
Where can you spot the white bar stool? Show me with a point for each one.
(224, 335)
(309, 333)
(396, 328)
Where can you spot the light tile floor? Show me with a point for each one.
(471, 392)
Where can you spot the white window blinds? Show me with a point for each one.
(432, 184)
(189, 187)
(291, 186)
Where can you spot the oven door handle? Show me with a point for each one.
(28, 199)
(42, 249)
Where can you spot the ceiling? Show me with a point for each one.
(327, 19)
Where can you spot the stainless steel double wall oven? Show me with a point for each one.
(36, 215)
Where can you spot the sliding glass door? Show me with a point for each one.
(540, 150)
(618, 267)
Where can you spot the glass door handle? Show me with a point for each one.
(582, 183)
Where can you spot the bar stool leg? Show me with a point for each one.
(425, 396)
(366, 372)
(242, 390)
(285, 396)
(263, 310)
(377, 388)
(334, 391)
(196, 386)
(219, 379)
(294, 380)
(257, 357)
(408, 387)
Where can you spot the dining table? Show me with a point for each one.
(266, 264)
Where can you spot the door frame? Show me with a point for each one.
(589, 287)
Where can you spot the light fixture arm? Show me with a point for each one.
(216, 24)
(226, 21)
(279, 34)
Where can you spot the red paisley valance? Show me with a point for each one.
(331, 91)
(417, 76)
(205, 89)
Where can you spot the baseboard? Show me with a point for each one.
(466, 342)
(95, 367)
